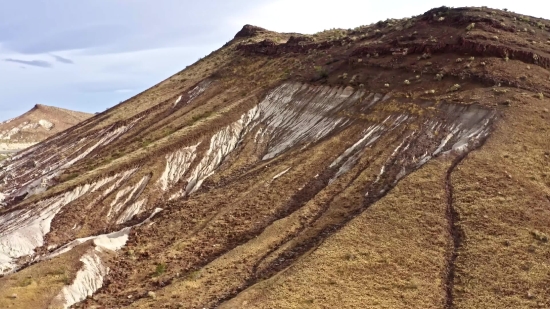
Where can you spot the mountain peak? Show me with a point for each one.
(249, 31)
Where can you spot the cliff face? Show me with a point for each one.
(398, 165)
(36, 125)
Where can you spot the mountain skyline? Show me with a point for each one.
(91, 56)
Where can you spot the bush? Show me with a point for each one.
(159, 270)
(321, 72)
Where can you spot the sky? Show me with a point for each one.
(89, 55)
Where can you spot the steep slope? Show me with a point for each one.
(35, 126)
(398, 165)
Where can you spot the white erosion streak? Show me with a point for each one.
(177, 164)
(296, 113)
(90, 277)
(31, 174)
(177, 100)
(281, 173)
(221, 144)
(132, 192)
(131, 211)
(123, 177)
(22, 231)
(88, 280)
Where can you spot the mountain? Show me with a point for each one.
(403, 164)
(36, 125)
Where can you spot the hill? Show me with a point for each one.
(403, 164)
(36, 125)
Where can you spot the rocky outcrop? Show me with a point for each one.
(46, 124)
(249, 31)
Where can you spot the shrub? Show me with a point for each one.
(321, 72)
(159, 270)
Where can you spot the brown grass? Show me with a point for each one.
(37, 285)
(391, 256)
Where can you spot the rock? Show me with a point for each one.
(46, 124)
(249, 31)
(296, 40)
(13, 296)
(152, 294)
(455, 87)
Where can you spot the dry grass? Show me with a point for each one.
(501, 194)
(37, 285)
(391, 256)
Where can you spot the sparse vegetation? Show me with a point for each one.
(159, 269)
(321, 72)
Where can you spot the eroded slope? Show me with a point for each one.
(344, 168)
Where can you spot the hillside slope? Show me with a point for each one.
(36, 125)
(403, 164)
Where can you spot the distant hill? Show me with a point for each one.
(36, 125)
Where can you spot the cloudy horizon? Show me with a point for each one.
(91, 55)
